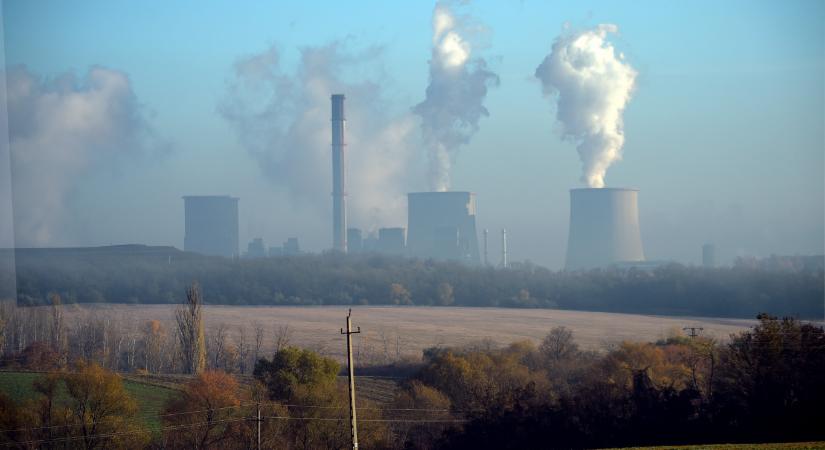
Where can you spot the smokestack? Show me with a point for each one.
(485, 247)
(504, 262)
(339, 193)
(604, 228)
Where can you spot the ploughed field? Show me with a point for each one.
(396, 332)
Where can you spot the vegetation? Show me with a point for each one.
(762, 386)
(137, 274)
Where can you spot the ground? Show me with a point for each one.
(390, 332)
(150, 397)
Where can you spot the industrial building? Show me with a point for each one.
(442, 225)
(392, 241)
(211, 225)
(604, 228)
(256, 249)
(709, 256)
(354, 240)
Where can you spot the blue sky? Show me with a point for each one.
(725, 133)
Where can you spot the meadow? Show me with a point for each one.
(394, 332)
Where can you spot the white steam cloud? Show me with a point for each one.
(283, 120)
(454, 100)
(593, 85)
(60, 130)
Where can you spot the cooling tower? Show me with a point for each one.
(211, 225)
(442, 225)
(604, 228)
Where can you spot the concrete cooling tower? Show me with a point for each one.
(442, 225)
(604, 228)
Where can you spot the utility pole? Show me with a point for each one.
(693, 331)
(352, 422)
(259, 425)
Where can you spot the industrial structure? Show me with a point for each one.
(604, 228)
(354, 240)
(442, 225)
(504, 262)
(709, 256)
(392, 240)
(339, 193)
(211, 225)
(256, 248)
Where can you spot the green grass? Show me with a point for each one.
(150, 398)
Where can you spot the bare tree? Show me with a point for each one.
(259, 342)
(217, 344)
(58, 327)
(558, 344)
(189, 318)
(243, 350)
(282, 337)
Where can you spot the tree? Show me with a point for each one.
(399, 295)
(153, 338)
(189, 318)
(103, 413)
(211, 403)
(293, 369)
(558, 345)
(445, 294)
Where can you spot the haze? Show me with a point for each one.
(724, 133)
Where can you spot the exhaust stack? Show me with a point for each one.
(604, 228)
(339, 193)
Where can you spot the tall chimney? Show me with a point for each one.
(339, 193)
(504, 262)
(485, 247)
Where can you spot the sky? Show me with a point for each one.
(724, 129)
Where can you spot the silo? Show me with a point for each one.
(604, 228)
(442, 225)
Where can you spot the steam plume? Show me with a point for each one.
(282, 119)
(454, 100)
(593, 84)
(60, 130)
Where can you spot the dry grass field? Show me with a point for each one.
(392, 332)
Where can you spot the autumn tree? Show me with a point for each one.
(399, 295)
(206, 414)
(103, 413)
(445, 294)
(189, 317)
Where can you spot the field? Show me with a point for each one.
(393, 332)
(150, 398)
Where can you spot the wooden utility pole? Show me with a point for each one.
(352, 423)
(259, 426)
(694, 331)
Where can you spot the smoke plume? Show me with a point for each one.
(60, 131)
(454, 100)
(283, 120)
(593, 85)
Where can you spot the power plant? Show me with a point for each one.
(339, 192)
(211, 225)
(604, 228)
(442, 225)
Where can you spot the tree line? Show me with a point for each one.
(138, 274)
